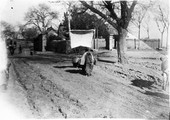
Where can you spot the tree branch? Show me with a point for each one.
(132, 6)
(99, 13)
(111, 8)
(158, 25)
(130, 10)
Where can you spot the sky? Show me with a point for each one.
(13, 11)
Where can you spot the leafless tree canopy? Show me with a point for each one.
(162, 21)
(7, 30)
(40, 17)
(140, 13)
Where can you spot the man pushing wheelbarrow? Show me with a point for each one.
(86, 62)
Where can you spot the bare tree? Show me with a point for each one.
(40, 16)
(27, 33)
(118, 15)
(139, 15)
(8, 30)
(162, 22)
(146, 25)
(21, 29)
(167, 28)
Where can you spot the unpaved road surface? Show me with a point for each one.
(49, 87)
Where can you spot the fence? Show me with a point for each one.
(130, 43)
(100, 44)
(142, 44)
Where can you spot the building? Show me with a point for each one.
(43, 41)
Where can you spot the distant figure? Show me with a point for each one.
(165, 72)
(20, 49)
(15, 45)
(11, 48)
(10, 42)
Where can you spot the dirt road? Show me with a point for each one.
(52, 88)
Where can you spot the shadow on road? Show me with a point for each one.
(142, 83)
(148, 84)
(63, 66)
(107, 61)
(157, 94)
(75, 71)
(39, 59)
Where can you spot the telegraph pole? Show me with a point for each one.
(68, 17)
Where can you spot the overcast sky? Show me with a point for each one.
(13, 11)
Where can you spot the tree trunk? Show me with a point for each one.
(139, 32)
(167, 38)
(161, 39)
(148, 33)
(121, 46)
(139, 36)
